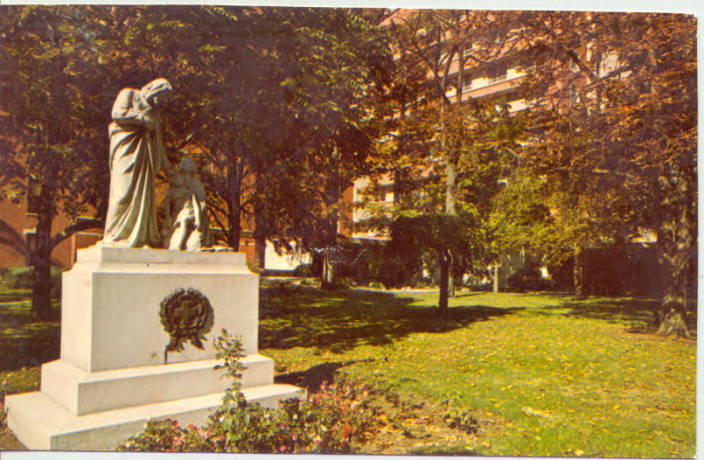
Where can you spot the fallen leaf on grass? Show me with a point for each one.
(535, 412)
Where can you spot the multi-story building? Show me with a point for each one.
(22, 223)
(502, 77)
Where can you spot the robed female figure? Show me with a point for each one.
(136, 156)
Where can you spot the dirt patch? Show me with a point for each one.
(405, 425)
(8, 441)
(425, 428)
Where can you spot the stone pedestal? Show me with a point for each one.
(115, 371)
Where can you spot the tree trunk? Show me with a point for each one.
(674, 262)
(672, 320)
(444, 259)
(234, 204)
(41, 265)
(260, 252)
(450, 210)
(328, 277)
(450, 183)
(261, 225)
(496, 277)
(260, 235)
(578, 272)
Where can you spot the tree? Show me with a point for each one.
(270, 100)
(53, 150)
(455, 145)
(520, 219)
(618, 134)
(340, 62)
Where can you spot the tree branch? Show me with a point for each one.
(76, 227)
(12, 238)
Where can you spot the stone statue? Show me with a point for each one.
(186, 225)
(136, 156)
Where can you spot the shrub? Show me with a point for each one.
(456, 416)
(462, 420)
(326, 422)
(376, 285)
(529, 278)
(303, 271)
(22, 278)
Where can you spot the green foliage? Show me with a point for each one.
(21, 278)
(53, 155)
(230, 350)
(520, 217)
(327, 422)
(443, 153)
(273, 102)
(427, 235)
(617, 145)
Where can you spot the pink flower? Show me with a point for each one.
(347, 430)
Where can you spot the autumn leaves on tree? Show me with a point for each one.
(284, 108)
(605, 149)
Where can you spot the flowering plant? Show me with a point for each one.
(328, 421)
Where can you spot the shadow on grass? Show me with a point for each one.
(24, 341)
(15, 295)
(340, 320)
(638, 315)
(313, 377)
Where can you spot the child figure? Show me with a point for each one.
(186, 225)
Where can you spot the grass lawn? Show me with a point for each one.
(24, 341)
(546, 375)
(531, 374)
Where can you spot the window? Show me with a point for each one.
(30, 235)
(608, 64)
(34, 193)
(497, 72)
(466, 82)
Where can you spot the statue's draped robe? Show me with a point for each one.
(136, 156)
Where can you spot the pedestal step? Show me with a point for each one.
(41, 424)
(82, 392)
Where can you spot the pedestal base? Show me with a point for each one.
(137, 332)
(41, 424)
